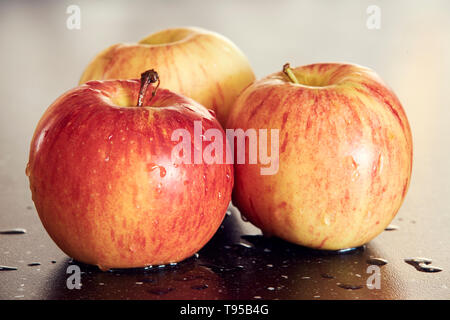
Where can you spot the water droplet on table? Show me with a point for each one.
(422, 264)
(7, 268)
(34, 264)
(245, 244)
(377, 261)
(160, 291)
(199, 287)
(349, 286)
(13, 231)
(391, 227)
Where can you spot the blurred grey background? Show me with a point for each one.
(41, 58)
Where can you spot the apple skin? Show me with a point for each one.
(345, 156)
(104, 184)
(197, 63)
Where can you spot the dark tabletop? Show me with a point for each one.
(238, 263)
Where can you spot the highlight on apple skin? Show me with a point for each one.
(197, 63)
(105, 187)
(345, 155)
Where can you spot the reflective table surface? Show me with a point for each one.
(41, 58)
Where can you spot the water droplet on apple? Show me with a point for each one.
(106, 159)
(244, 218)
(28, 169)
(228, 176)
(380, 163)
(355, 175)
(212, 112)
(220, 195)
(160, 291)
(327, 220)
(162, 170)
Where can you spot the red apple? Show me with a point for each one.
(104, 183)
(345, 155)
(200, 64)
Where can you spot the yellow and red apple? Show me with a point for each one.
(200, 64)
(104, 183)
(345, 155)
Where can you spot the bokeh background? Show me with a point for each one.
(40, 58)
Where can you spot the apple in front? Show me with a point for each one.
(345, 155)
(197, 63)
(104, 183)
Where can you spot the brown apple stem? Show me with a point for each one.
(147, 77)
(288, 72)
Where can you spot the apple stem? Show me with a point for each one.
(288, 71)
(147, 77)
